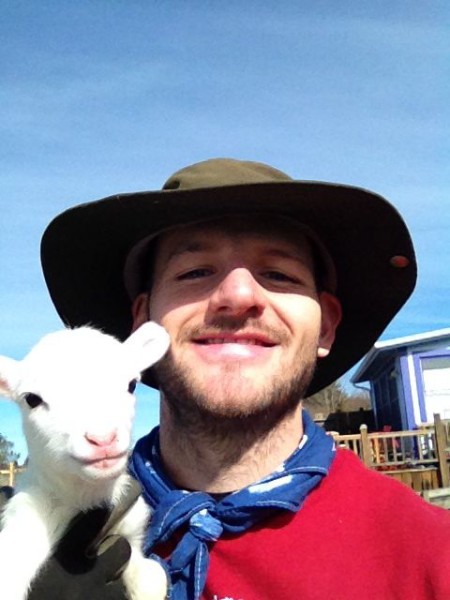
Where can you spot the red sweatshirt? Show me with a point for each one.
(359, 536)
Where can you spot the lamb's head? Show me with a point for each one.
(75, 392)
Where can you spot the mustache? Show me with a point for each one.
(234, 325)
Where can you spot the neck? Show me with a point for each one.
(226, 458)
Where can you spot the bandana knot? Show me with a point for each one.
(201, 520)
(205, 527)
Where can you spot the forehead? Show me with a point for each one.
(261, 230)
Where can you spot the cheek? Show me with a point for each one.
(175, 322)
(158, 303)
(172, 314)
(301, 314)
(156, 312)
(45, 433)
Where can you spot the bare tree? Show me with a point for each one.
(7, 454)
(334, 398)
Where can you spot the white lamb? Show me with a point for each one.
(75, 392)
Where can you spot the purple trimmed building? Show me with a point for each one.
(409, 379)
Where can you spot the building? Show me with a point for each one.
(409, 379)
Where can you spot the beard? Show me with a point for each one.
(240, 413)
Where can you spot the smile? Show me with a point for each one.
(220, 349)
(243, 340)
(227, 341)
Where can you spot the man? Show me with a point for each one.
(270, 289)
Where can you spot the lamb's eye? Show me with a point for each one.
(132, 386)
(32, 400)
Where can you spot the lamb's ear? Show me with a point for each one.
(148, 344)
(9, 376)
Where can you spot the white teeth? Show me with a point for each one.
(228, 341)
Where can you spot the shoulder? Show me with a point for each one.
(366, 489)
(368, 514)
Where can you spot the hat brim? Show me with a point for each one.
(84, 250)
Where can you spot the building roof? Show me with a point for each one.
(383, 352)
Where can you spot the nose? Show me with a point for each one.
(237, 294)
(101, 439)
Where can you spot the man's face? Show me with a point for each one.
(244, 316)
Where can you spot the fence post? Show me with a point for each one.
(11, 474)
(366, 451)
(441, 440)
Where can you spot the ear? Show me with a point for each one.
(331, 317)
(147, 344)
(140, 310)
(9, 376)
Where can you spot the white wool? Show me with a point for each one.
(78, 440)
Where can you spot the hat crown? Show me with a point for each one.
(219, 172)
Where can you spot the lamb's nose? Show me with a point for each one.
(101, 439)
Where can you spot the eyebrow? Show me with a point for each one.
(193, 247)
(279, 253)
(188, 247)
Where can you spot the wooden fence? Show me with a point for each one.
(419, 458)
(8, 476)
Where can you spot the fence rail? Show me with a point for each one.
(9, 475)
(393, 448)
(419, 458)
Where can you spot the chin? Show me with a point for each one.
(235, 390)
(233, 393)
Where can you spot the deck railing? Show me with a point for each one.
(392, 448)
(401, 453)
(8, 476)
(420, 458)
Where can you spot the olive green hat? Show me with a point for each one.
(84, 250)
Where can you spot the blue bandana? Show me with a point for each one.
(206, 519)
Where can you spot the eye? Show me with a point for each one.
(194, 274)
(278, 276)
(132, 386)
(33, 400)
(281, 277)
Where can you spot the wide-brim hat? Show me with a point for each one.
(85, 249)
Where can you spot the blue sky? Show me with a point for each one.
(100, 97)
